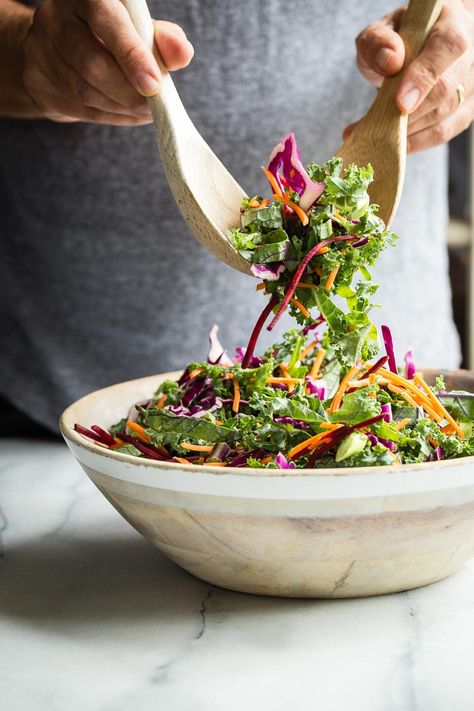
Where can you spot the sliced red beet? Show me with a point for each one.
(88, 433)
(293, 285)
(257, 329)
(148, 450)
(106, 437)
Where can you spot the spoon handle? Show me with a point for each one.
(415, 27)
(417, 24)
(169, 114)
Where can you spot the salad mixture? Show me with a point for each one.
(324, 396)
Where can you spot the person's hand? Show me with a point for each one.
(84, 61)
(437, 90)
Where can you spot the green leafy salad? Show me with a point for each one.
(324, 396)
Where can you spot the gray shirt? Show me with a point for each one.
(100, 280)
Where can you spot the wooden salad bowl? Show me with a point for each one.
(293, 533)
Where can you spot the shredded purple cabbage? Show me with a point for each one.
(299, 424)
(387, 443)
(270, 272)
(217, 354)
(372, 439)
(389, 349)
(240, 352)
(282, 462)
(410, 368)
(286, 156)
(241, 459)
(315, 389)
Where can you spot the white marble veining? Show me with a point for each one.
(94, 619)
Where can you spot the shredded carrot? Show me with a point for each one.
(219, 422)
(448, 429)
(330, 280)
(161, 402)
(181, 460)
(311, 442)
(271, 179)
(215, 464)
(323, 250)
(284, 370)
(261, 286)
(400, 425)
(343, 385)
(197, 447)
(437, 406)
(236, 400)
(118, 442)
(139, 431)
(317, 363)
(406, 396)
(418, 379)
(363, 382)
(253, 202)
(300, 306)
(195, 372)
(265, 202)
(309, 348)
(417, 395)
(296, 208)
(329, 425)
(266, 460)
(433, 442)
(284, 381)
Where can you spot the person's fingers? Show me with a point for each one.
(446, 43)
(443, 104)
(174, 47)
(102, 118)
(111, 22)
(380, 49)
(92, 115)
(444, 130)
(93, 62)
(443, 97)
(63, 96)
(70, 89)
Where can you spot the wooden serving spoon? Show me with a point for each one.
(206, 193)
(381, 137)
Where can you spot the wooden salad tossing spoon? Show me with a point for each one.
(206, 193)
(381, 137)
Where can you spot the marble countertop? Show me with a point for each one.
(94, 619)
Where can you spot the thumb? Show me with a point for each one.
(349, 130)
